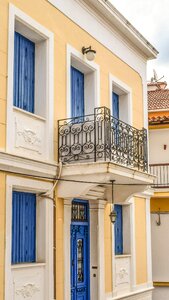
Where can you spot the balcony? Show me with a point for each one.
(161, 171)
(99, 137)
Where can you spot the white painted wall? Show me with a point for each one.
(161, 293)
(160, 248)
(157, 140)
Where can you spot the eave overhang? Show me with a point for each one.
(116, 19)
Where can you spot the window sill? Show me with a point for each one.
(29, 113)
(28, 265)
(122, 255)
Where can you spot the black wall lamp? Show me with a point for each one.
(89, 52)
(113, 214)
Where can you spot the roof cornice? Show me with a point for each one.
(116, 19)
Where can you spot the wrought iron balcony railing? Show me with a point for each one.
(161, 171)
(101, 137)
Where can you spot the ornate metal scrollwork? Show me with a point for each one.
(101, 137)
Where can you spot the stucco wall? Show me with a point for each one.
(2, 232)
(157, 139)
(160, 240)
(140, 240)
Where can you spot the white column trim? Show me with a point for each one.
(67, 236)
(113, 80)
(133, 244)
(99, 205)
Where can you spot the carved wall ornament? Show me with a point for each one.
(28, 290)
(28, 138)
(123, 273)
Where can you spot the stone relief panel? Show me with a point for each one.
(29, 135)
(122, 273)
(27, 291)
(28, 283)
(27, 138)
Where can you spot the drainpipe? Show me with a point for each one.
(47, 195)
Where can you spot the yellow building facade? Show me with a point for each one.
(67, 161)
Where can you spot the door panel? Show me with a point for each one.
(77, 93)
(79, 262)
(118, 228)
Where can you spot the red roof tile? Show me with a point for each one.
(158, 99)
(158, 120)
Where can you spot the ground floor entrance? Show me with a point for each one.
(80, 271)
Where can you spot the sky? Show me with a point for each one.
(151, 18)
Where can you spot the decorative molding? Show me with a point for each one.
(28, 290)
(122, 271)
(95, 193)
(27, 138)
(123, 274)
(17, 164)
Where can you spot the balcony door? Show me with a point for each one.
(115, 105)
(77, 93)
(115, 110)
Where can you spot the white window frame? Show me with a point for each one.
(126, 91)
(132, 254)
(45, 255)
(81, 61)
(16, 15)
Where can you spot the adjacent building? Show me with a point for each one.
(73, 147)
(158, 105)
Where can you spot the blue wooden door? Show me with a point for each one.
(77, 93)
(80, 274)
(118, 230)
(24, 73)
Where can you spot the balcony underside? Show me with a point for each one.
(92, 181)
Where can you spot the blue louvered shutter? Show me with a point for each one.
(118, 230)
(23, 227)
(77, 93)
(24, 73)
(115, 104)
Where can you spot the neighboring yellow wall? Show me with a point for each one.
(141, 240)
(108, 249)
(59, 236)
(3, 71)
(66, 31)
(157, 203)
(2, 233)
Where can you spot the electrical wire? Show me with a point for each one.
(57, 179)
